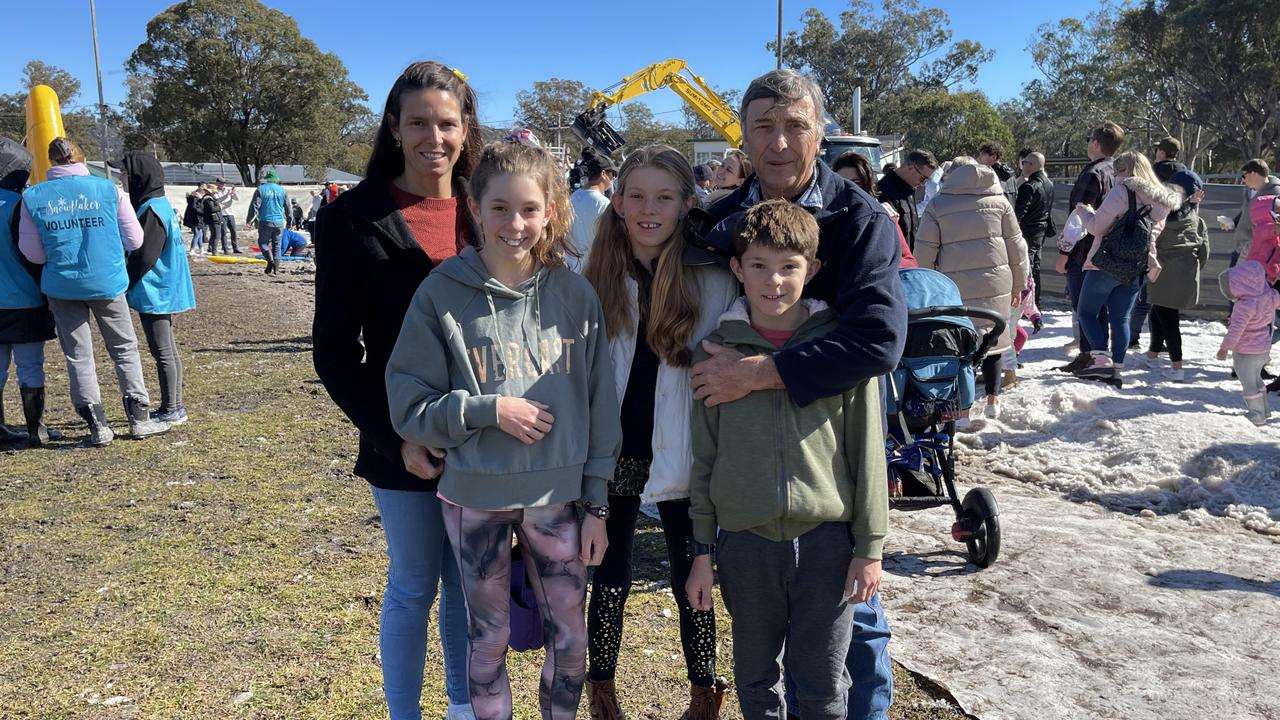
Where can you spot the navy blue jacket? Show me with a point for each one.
(858, 247)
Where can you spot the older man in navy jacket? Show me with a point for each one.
(782, 115)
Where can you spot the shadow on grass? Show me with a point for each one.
(301, 344)
(1211, 580)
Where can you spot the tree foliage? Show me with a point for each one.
(1203, 71)
(640, 128)
(553, 104)
(81, 123)
(952, 124)
(885, 51)
(238, 81)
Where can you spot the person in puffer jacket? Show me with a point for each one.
(1101, 289)
(1249, 336)
(1265, 246)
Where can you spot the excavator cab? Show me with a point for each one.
(592, 129)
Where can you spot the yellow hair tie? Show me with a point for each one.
(459, 73)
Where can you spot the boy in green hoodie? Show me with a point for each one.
(798, 493)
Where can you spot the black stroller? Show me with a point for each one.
(932, 383)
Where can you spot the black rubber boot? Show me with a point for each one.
(7, 436)
(100, 432)
(141, 425)
(33, 410)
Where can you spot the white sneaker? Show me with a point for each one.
(992, 410)
(460, 712)
(1146, 361)
(1175, 375)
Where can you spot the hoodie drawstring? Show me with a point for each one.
(534, 350)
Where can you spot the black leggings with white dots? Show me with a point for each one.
(612, 584)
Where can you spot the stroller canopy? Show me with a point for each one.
(926, 288)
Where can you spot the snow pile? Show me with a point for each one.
(1157, 446)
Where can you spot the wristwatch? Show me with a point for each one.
(696, 548)
(600, 511)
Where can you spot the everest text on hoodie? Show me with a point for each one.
(516, 361)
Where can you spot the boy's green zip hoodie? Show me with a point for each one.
(467, 339)
(770, 466)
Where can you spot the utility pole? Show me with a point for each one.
(779, 48)
(102, 106)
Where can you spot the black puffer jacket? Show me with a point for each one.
(1032, 208)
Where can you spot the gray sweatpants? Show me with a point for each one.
(789, 592)
(116, 326)
(159, 332)
(1248, 367)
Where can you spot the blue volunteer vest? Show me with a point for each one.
(76, 216)
(166, 289)
(273, 202)
(18, 290)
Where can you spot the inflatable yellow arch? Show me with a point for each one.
(44, 123)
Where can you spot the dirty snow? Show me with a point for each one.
(1159, 445)
(1138, 573)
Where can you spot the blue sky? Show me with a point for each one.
(505, 46)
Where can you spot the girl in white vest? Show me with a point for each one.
(80, 227)
(659, 302)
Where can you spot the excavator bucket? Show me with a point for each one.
(594, 130)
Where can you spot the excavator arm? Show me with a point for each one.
(673, 73)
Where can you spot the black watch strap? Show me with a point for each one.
(696, 548)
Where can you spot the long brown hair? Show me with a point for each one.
(512, 158)
(673, 297)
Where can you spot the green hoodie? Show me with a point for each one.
(468, 339)
(770, 466)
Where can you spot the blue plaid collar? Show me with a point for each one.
(811, 198)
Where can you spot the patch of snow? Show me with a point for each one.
(1155, 445)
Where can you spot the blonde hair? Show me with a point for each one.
(64, 152)
(1136, 164)
(777, 224)
(509, 158)
(673, 297)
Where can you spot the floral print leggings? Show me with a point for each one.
(550, 536)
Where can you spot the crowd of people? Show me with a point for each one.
(525, 362)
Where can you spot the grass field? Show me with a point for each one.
(234, 567)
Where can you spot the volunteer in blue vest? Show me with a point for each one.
(25, 322)
(80, 227)
(269, 202)
(159, 277)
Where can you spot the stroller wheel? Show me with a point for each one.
(982, 519)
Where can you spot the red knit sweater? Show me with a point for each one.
(433, 222)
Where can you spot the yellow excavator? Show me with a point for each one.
(592, 128)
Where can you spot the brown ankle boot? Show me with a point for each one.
(705, 702)
(602, 701)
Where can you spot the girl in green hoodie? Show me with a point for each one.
(503, 364)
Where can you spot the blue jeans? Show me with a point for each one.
(869, 665)
(1101, 291)
(421, 558)
(1075, 284)
(29, 359)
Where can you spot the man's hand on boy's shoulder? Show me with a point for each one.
(728, 375)
(863, 580)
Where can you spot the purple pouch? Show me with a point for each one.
(526, 622)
